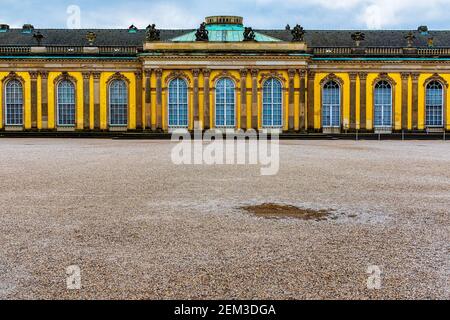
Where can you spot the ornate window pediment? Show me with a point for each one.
(65, 76)
(436, 77)
(332, 77)
(276, 75)
(177, 74)
(118, 76)
(384, 77)
(13, 76)
(225, 74)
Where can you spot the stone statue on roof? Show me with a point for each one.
(152, 34)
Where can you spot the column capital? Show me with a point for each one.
(302, 72)
(311, 74)
(243, 73)
(158, 73)
(138, 74)
(254, 72)
(206, 72)
(362, 76)
(44, 74)
(415, 76)
(404, 75)
(148, 72)
(86, 75)
(96, 75)
(353, 76)
(291, 73)
(195, 72)
(33, 75)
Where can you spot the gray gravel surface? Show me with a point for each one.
(141, 227)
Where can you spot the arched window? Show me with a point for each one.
(225, 103)
(178, 103)
(118, 103)
(272, 112)
(331, 105)
(383, 104)
(13, 103)
(434, 104)
(66, 103)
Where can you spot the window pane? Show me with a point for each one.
(66, 103)
(14, 103)
(434, 104)
(272, 104)
(225, 103)
(331, 105)
(118, 103)
(178, 103)
(383, 104)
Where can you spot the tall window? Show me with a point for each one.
(118, 103)
(66, 103)
(383, 104)
(272, 112)
(434, 104)
(14, 103)
(225, 103)
(331, 105)
(178, 103)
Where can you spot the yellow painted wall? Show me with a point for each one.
(52, 96)
(345, 92)
(104, 78)
(397, 103)
(345, 116)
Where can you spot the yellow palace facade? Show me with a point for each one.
(224, 75)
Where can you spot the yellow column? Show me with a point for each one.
(91, 103)
(39, 102)
(358, 103)
(296, 101)
(132, 103)
(27, 99)
(421, 97)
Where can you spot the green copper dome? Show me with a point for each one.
(224, 29)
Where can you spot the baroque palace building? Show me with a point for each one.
(224, 75)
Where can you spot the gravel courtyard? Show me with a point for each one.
(141, 227)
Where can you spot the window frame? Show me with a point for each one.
(5, 103)
(225, 126)
(58, 82)
(443, 100)
(186, 82)
(339, 84)
(281, 103)
(392, 102)
(127, 95)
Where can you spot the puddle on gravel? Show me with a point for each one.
(280, 211)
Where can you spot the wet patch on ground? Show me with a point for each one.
(281, 211)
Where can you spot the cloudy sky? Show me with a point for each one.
(312, 14)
